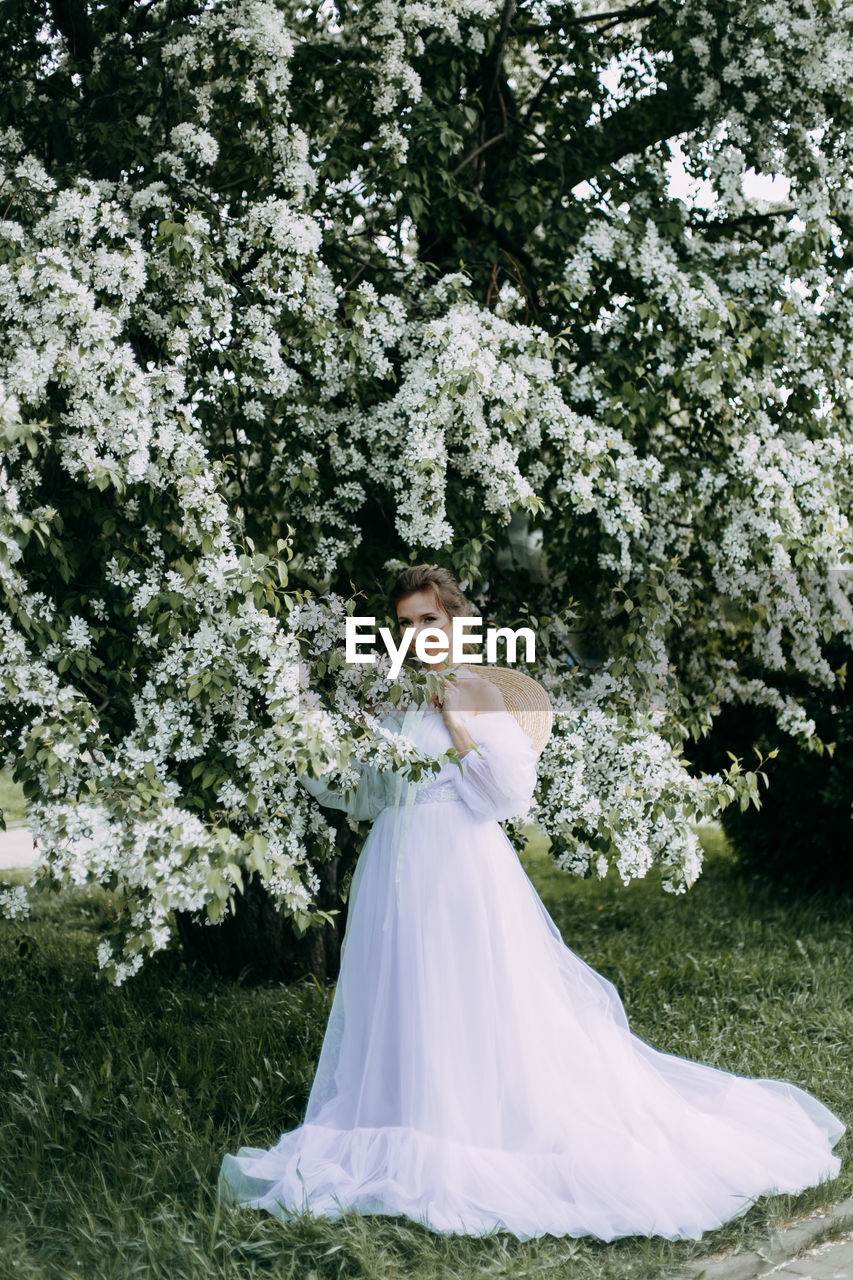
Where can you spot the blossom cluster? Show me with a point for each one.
(224, 365)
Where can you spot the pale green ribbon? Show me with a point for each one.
(411, 719)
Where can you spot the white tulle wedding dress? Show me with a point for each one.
(477, 1075)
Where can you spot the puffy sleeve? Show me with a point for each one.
(497, 781)
(363, 804)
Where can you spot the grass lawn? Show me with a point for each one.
(118, 1104)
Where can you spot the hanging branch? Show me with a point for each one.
(478, 151)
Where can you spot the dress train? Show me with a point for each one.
(476, 1074)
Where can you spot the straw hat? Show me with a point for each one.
(526, 701)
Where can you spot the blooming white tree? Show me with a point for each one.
(292, 295)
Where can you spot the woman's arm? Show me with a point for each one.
(462, 740)
(497, 780)
(479, 696)
(363, 802)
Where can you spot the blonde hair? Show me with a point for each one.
(448, 593)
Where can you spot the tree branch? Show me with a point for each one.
(473, 155)
(500, 47)
(616, 15)
(631, 129)
(754, 215)
(72, 22)
(611, 18)
(540, 92)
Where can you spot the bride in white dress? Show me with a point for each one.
(475, 1073)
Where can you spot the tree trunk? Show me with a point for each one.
(257, 942)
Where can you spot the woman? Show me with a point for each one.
(475, 1073)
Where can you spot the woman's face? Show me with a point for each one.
(422, 611)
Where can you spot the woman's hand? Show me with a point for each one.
(448, 696)
(451, 705)
(452, 701)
